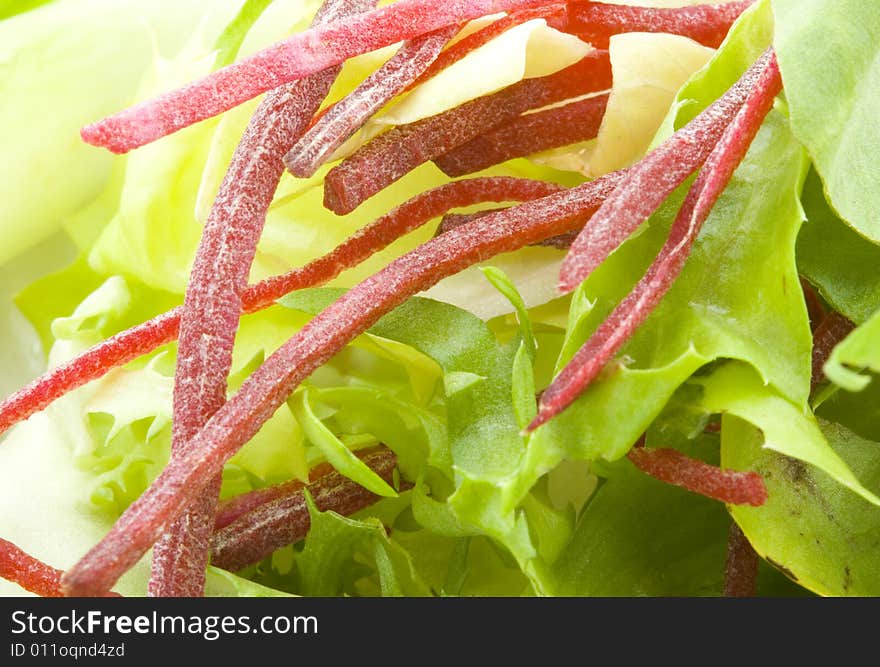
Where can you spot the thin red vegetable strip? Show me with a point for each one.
(408, 216)
(741, 566)
(31, 574)
(229, 511)
(234, 508)
(269, 386)
(833, 328)
(144, 338)
(730, 150)
(595, 22)
(401, 149)
(285, 519)
(348, 115)
(87, 366)
(652, 180)
(556, 18)
(212, 305)
(452, 220)
(299, 56)
(527, 134)
(673, 467)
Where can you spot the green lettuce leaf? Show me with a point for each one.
(829, 56)
(231, 39)
(735, 389)
(477, 465)
(42, 61)
(333, 449)
(12, 7)
(638, 536)
(736, 296)
(327, 561)
(153, 234)
(858, 352)
(819, 534)
(858, 411)
(223, 584)
(836, 259)
(42, 503)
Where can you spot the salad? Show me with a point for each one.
(486, 297)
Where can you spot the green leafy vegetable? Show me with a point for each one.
(107, 54)
(12, 7)
(733, 389)
(638, 536)
(334, 449)
(819, 534)
(325, 564)
(707, 314)
(858, 352)
(828, 53)
(836, 258)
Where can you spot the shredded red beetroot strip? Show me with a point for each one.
(833, 328)
(31, 574)
(212, 305)
(741, 566)
(90, 365)
(652, 180)
(285, 519)
(144, 338)
(401, 149)
(268, 387)
(451, 221)
(671, 466)
(301, 55)
(527, 134)
(231, 510)
(348, 115)
(234, 508)
(611, 335)
(555, 14)
(595, 22)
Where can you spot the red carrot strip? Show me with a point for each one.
(212, 305)
(833, 328)
(611, 335)
(555, 14)
(401, 149)
(673, 467)
(595, 22)
(31, 574)
(741, 566)
(298, 56)
(527, 134)
(348, 115)
(144, 338)
(652, 180)
(285, 519)
(264, 391)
